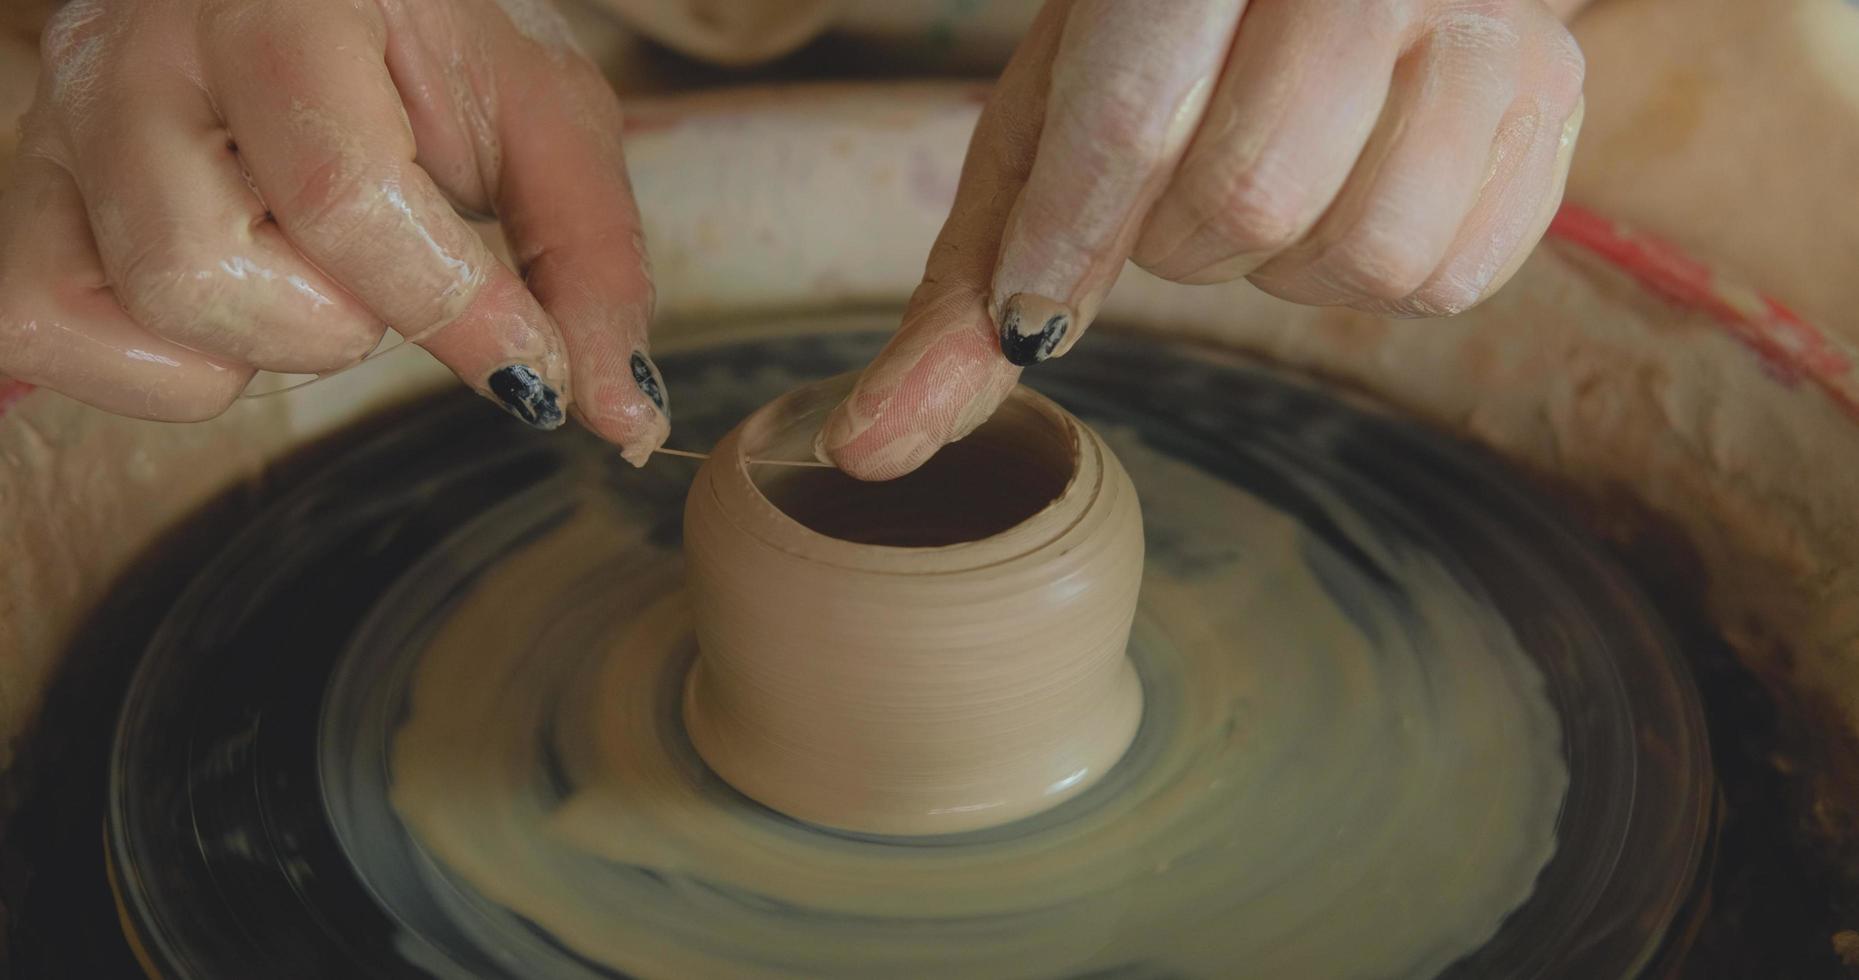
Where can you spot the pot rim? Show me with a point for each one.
(731, 485)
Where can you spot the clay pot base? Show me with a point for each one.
(1390, 707)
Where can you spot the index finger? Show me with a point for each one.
(306, 93)
(567, 207)
(1075, 143)
(942, 373)
(1129, 86)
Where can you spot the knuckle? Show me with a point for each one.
(437, 308)
(218, 302)
(170, 291)
(388, 236)
(335, 201)
(1381, 265)
(1124, 131)
(36, 320)
(1254, 210)
(1119, 137)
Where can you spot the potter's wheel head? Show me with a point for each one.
(434, 690)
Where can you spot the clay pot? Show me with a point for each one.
(933, 654)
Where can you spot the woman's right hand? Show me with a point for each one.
(206, 188)
(1397, 158)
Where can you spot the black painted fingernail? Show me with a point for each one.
(1032, 328)
(523, 392)
(645, 375)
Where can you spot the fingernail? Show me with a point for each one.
(525, 395)
(646, 376)
(1032, 328)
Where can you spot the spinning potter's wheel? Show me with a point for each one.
(422, 719)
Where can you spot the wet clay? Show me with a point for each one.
(1347, 767)
(937, 653)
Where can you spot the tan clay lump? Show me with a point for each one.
(937, 653)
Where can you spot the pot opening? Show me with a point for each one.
(1011, 468)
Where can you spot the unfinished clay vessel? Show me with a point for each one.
(933, 654)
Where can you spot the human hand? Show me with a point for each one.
(209, 187)
(1398, 157)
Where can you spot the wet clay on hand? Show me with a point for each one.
(938, 653)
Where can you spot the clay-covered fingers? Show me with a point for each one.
(271, 184)
(1528, 167)
(1400, 158)
(185, 243)
(60, 324)
(943, 373)
(306, 92)
(568, 209)
(1482, 93)
(1058, 174)
(1128, 87)
(1296, 101)
(1521, 188)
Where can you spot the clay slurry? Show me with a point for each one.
(1319, 746)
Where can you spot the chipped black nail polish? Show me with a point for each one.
(1027, 343)
(645, 375)
(523, 392)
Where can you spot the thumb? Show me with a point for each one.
(943, 374)
(1080, 136)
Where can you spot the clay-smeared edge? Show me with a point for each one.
(788, 423)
